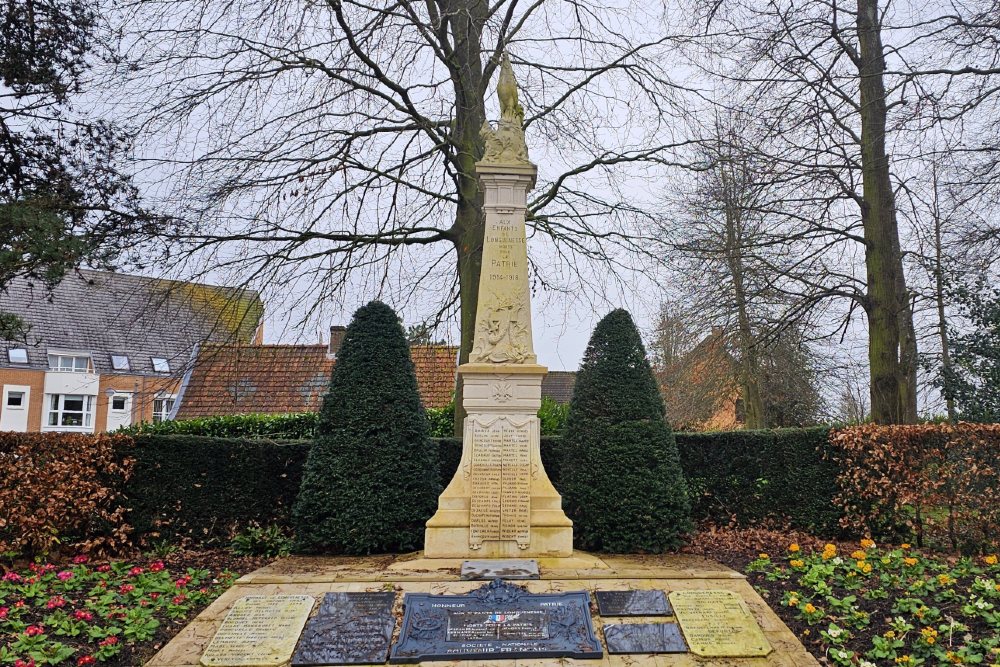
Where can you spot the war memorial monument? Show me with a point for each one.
(498, 582)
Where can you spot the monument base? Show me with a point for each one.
(500, 503)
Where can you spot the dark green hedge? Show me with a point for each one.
(753, 476)
(208, 488)
(205, 488)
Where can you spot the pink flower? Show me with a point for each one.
(56, 602)
(3, 612)
(135, 571)
(109, 641)
(104, 568)
(156, 566)
(83, 615)
(178, 599)
(65, 575)
(154, 596)
(12, 577)
(34, 630)
(125, 589)
(80, 560)
(203, 590)
(22, 663)
(182, 582)
(85, 660)
(19, 604)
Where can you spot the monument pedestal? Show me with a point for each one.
(482, 513)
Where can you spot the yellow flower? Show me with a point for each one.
(867, 569)
(859, 555)
(796, 563)
(910, 561)
(886, 560)
(763, 556)
(997, 588)
(990, 560)
(861, 564)
(904, 545)
(793, 602)
(809, 608)
(903, 660)
(867, 544)
(794, 548)
(944, 579)
(890, 634)
(929, 635)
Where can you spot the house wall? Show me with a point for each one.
(142, 390)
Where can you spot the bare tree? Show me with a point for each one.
(335, 142)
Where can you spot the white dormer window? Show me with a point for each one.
(160, 365)
(66, 363)
(17, 355)
(120, 362)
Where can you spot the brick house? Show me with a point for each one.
(701, 391)
(106, 350)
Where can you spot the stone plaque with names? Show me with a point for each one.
(718, 624)
(633, 603)
(259, 631)
(644, 638)
(349, 629)
(510, 568)
(499, 620)
(501, 483)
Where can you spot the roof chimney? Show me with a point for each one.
(337, 332)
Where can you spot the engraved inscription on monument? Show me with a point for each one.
(508, 568)
(259, 631)
(633, 603)
(349, 629)
(500, 478)
(644, 638)
(499, 620)
(718, 624)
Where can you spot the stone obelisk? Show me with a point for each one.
(500, 503)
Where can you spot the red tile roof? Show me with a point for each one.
(241, 379)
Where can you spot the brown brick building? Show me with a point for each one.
(105, 350)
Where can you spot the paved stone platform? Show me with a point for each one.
(315, 576)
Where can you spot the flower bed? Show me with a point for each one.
(886, 606)
(84, 614)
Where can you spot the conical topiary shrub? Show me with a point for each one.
(371, 479)
(621, 478)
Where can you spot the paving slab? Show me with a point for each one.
(316, 576)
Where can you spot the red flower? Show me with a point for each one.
(109, 641)
(65, 575)
(80, 560)
(156, 566)
(34, 630)
(178, 599)
(125, 589)
(203, 590)
(12, 577)
(154, 596)
(83, 615)
(183, 581)
(135, 571)
(56, 602)
(104, 568)
(19, 604)
(144, 603)
(3, 612)
(85, 660)
(22, 663)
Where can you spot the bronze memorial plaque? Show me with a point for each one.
(501, 483)
(718, 624)
(259, 631)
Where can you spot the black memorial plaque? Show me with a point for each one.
(633, 603)
(349, 629)
(499, 620)
(644, 638)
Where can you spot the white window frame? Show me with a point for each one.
(59, 365)
(126, 366)
(162, 415)
(10, 355)
(160, 364)
(23, 395)
(55, 406)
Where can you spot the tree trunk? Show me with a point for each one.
(878, 214)
(939, 301)
(470, 113)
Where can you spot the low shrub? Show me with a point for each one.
(294, 426)
(269, 541)
(59, 487)
(938, 482)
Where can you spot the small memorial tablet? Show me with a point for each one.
(500, 569)
(633, 603)
(499, 620)
(349, 629)
(259, 631)
(718, 624)
(644, 638)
